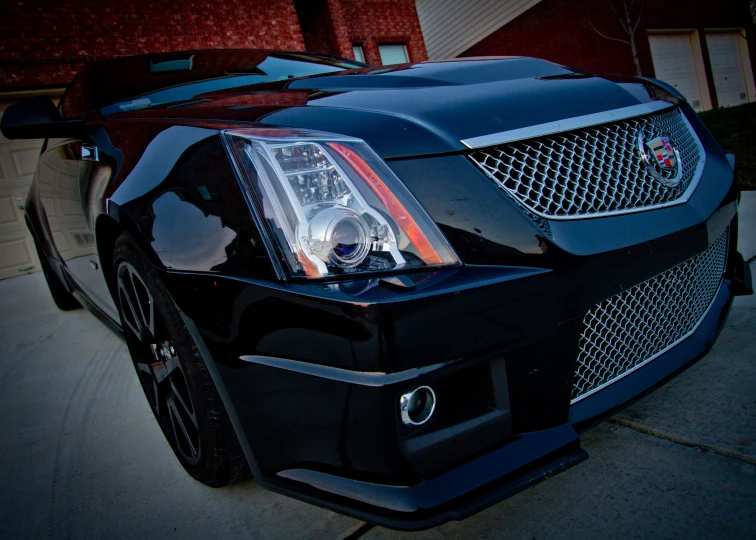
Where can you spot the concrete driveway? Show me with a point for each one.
(82, 457)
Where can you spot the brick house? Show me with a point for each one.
(44, 42)
(703, 48)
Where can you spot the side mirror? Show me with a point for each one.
(37, 118)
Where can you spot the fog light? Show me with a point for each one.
(417, 407)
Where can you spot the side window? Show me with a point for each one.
(393, 54)
(358, 54)
(71, 104)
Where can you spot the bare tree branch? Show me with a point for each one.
(600, 33)
(627, 16)
(624, 14)
(640, 13)
(617, 14)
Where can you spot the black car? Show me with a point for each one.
(396, 292)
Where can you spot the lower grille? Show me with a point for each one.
(633, 327)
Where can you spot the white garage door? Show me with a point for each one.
(727, 68)
(675, 65)
(18, 160)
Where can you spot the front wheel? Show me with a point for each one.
(173, 375)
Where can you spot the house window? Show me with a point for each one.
(358, 54)
(393, 54)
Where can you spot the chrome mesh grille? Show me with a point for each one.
(593, 171)
(636, 325)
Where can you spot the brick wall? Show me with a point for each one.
(377, 22)
(334, 26)
(558, 30)
(44, 42)
(316, 22)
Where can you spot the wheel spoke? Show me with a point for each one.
(146, 372)
(137, 304)
(143, 301)
(172, 364)
(187, 407)
(129, 318)
(178, 422)
(144, 368)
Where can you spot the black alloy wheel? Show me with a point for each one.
(157, 364)
(173, 375)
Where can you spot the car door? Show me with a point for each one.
(94, 178)
(64, 184)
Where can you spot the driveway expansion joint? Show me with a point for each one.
(357, 531)
(676, 439)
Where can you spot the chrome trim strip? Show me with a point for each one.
(657, 355)
(682, 200)
(362, 378)
(567, 124)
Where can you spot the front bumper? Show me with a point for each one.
(311, 374)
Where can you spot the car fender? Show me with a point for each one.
(174, 190)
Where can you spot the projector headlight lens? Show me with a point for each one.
(339, 236)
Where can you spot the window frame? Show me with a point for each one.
(394, 44)
(361, 48)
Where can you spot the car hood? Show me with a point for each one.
(426, 108)
(429, 108)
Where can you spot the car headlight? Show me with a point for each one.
(332, 205)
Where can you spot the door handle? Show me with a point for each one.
(20, 203)
(89, 152)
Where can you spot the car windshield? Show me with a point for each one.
(173, 79)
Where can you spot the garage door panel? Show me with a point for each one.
(46, 175)
(14, 254)
(69, 207)
(7, 210)
(49, 205)
(60, 242)
(727, 69)
(69, 178)
(675, 64)
(25, 160)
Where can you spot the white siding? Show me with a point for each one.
(450, 27)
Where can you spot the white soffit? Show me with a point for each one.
(450, 27)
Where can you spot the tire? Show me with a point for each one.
(60, 295)
(173, 375)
